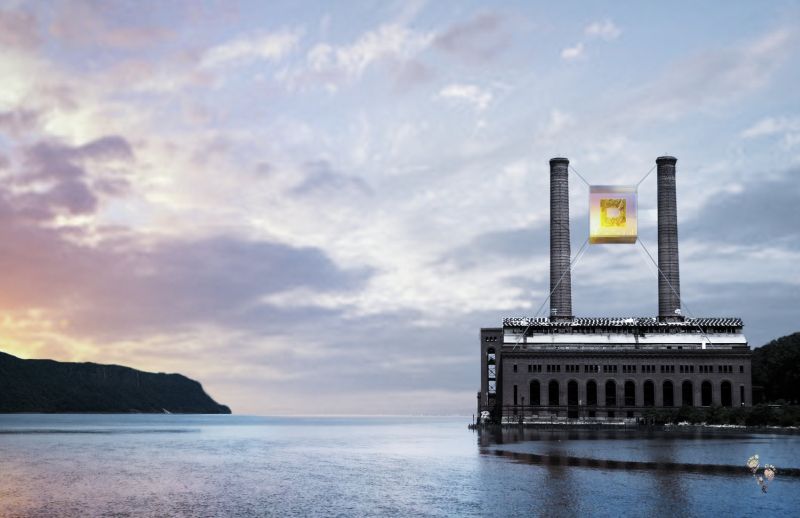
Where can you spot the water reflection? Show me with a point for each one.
(646, 450)
(644, 472)
(669, 490)
(246, 466)
(561, 497)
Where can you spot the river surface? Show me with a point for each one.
(170, 465)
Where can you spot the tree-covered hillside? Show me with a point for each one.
(776, 368)
(51, 386)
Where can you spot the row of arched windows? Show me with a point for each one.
(668, 393)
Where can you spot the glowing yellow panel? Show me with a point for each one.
(612, 214)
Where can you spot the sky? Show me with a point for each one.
(313, 207)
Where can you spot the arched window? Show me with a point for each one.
(668, 397)
(687, 393)
(630, 393)
(552, 393)
(591, 393)
(536, 398)
(705, 393)
(725, 394)
(611, 393)
(649, 393)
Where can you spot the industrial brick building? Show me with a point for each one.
(610, 368)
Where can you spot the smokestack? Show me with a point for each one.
(669, 281)
(560, 283)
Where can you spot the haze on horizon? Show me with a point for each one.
(313, 209)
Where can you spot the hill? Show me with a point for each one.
(49, 386)
(776, 367)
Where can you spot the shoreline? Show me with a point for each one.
(634, 427)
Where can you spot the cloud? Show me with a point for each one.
(788, 127)
(556, 124)
(760, 213)
(572, 53)
(769, 309)
(111, 147)
(138, 227)
(470, 94)
(390, 40)
(53, 160)
(245, 49)
(126, 284)
(18, 122)
(95, 24)
(478, 38)
(413, 72)
(18, 29)
(70, 196)
(332, 65)
(395, 43)
(525, 243)
(708, 79)
(54, 178)
(321, 178)
(604, 30)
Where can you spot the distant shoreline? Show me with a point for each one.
(51, 387)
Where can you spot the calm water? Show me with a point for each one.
(166, 465)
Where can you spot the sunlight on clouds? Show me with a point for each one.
(38, 333)
(440, 290)
(20, 73)
(431, 141)
(470, 94)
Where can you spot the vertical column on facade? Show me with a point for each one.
(658, 393)
(601, 392)
(638, 393)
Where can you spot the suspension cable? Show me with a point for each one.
(691, 314)
(645, 176)
(580, 176)
(572, 264)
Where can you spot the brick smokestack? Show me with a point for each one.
(560, 282)
(669, 280)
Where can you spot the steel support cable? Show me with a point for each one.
(637, 183)
(572, 264)
(683, 304)
(645, 176)
(580, 176)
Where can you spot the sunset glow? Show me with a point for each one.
(311, 209)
